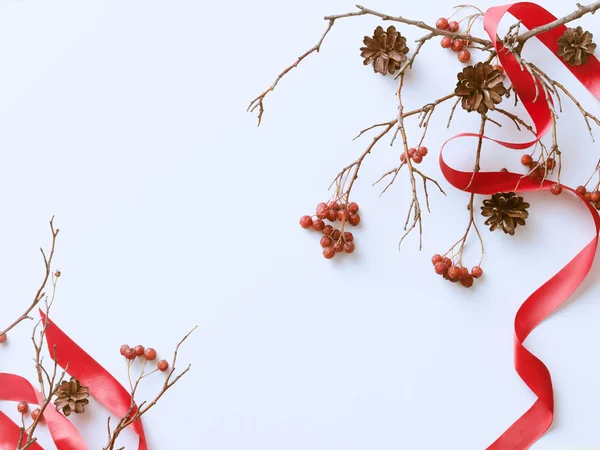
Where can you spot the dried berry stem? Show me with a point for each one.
(470, 207)
(135, 412)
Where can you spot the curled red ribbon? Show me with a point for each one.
(536, 421)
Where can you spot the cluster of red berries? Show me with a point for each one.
(458, 45)
(148, 353)
(23, 407)
(591, 196)
(416, 154)
(537, 171)
(451, 272)
(333, 240)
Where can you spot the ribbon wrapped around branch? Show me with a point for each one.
(536, 421)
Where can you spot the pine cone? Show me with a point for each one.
(480, 87)
(575, 46)
(505, 210)
(71, 396)
(386, 50)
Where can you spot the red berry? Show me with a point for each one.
(162, 365)
(334, 205)
(499, 68)
(335, 234)
(306, 221)
(446, 42)
(23, 407)
(327, 230)
(550, 163)
(556, 189)
(447, 261)
(454, 272)
(348, 237)
(476, 271)
(458, 45)
(328, 252)
(150, 354)
(422, 151)
(402, 158)
(354, 219)
(453, 26)
(464, 56)
(587, 196)
(332, 215)
(417, 159)
(595, 196)
(2, 338)
(353, 208)
(343, 215)
(338, 247)
(139, 350)
(526, 160)
(440, 268)
(322, 209)
(342, 206)
(35, 413)
(318, 224)
(412, 152)
(349, 247)
(123, 349)
(467, 281)
(580, 190)
(442, 23)
(462, 272)
(130, 354)
(436, 259)
(326, 241)
(504, 170)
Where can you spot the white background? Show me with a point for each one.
(127, 121)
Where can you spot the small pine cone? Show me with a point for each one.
(71, 397)
(575, 46)
(386, 50)
(505, 210)
(480, 87)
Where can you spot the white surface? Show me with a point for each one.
(127, 121)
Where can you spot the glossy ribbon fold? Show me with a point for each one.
(536, 421)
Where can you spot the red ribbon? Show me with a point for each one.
(101, 384)
(17, 389)
(536, 421)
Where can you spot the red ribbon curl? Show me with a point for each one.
(536, 421)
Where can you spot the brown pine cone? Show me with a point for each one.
(575, 46)
(505, 210)
(386, 50)
(480, 87)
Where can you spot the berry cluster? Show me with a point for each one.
(23, 407)
(458, 45)
(334, 240)
(148, 353)
(591, 196)
(455, 273)
(539, 170)
(416, 154)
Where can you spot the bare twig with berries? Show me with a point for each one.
(40, 295)
(479, 89)
(137, 411)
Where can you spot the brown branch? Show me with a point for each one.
(580, 12)
(420, 24)
(40, 292)
(258, 101)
